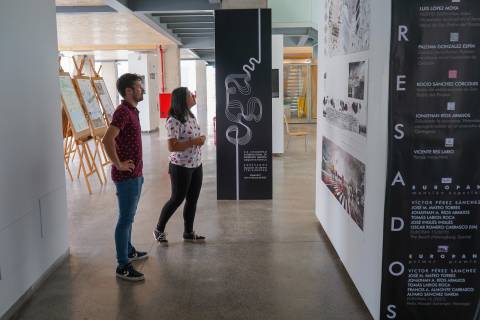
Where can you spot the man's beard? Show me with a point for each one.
(139, 98)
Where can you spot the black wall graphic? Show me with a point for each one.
(243, 62)
(432, 211)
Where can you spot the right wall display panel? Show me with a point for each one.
(432, 206)
(350, 181)
(344, 105)
(398, 189)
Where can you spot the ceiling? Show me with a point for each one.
(145, 24)
(101, 55)
(79, 2)
(105, 31)
(195, 30)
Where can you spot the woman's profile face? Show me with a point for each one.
(190, 99)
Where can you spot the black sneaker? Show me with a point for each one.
(129, 273)
(192, 237)
(160, 236)
(137, 255)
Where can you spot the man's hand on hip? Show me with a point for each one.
(126, 166)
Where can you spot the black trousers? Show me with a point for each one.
(186, 185)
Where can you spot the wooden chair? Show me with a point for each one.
(295, 133)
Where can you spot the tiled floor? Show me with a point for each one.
(263, 259)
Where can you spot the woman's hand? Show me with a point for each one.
(199, 141)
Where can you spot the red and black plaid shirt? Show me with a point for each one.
(129, 140)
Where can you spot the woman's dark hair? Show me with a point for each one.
(178, 108)
(127, 81)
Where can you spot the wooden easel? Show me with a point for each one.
(67, 134)
(96, 116)
(78, 127)
(108, 109)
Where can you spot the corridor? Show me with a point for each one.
(262, 259)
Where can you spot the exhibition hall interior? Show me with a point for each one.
(239, 159)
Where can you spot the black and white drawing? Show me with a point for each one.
(346, 114)
(346, 106)
(356, 79)
(348, 26)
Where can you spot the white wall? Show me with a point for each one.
(211, 98)
(201, 89)
(33, 211)
(360, 251)
(315, 13)
(188, 78)
(147, 65)
(194, 77)
(298, 13)
(277, 103)
(110, 75)
(188, 74)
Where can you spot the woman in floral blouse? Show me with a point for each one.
(185, 168)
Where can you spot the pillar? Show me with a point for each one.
(146, 65)
(171, 68)
(277, 97)
(171, 76)
(33, 208)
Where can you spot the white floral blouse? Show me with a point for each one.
(191, 157)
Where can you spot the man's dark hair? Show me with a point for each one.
(178, 108)
(127, 80)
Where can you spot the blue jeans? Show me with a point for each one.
(128, 195)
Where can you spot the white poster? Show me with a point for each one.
(94, 109)
(72, 103)
(104, 97)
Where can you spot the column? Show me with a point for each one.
(277, 95)
(169, 79)
(171, 68)
(146, 65)
(33, 208)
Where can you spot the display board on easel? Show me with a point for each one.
(73, 108)
(80, 126)
(102, 93)
(98, 119)
(104, 96)
(89, 100)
